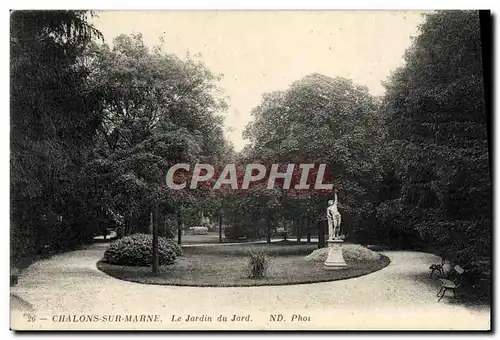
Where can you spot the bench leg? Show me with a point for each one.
(432, 272)
(442, 295)
(440, 291)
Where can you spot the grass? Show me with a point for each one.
(281, 248)
(210, 237)
(225, 266)
(213, 237)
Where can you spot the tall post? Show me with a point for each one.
(179, 226)
(308, 229)
(155, 215)
(120, 231)
(220, 226)
(298, 230)
(150, 231)
(268, 234)
(321, 234)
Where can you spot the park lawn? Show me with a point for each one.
(211, 237)
(224, 266)
(274, 248)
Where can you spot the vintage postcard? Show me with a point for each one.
(250, 170)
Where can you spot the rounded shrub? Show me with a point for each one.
(175, 246)
(137, 250)
(350, 252)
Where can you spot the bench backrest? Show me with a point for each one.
(459, 270)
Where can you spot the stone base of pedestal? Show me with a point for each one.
(335, 259)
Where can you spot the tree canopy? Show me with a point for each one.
(54, 118)
(322, 120)
(434, 112)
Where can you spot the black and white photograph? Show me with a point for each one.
(276, 170)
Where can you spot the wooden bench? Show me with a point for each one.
(452, 285)
(438, 268)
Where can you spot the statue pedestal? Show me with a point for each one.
(335, 259)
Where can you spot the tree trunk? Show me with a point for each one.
(151, 222)
(220, 227)
(308, 230)
(321, 235)
(162, 225)
(324, 233)
(155, 220)
(298, 229)
(344, 231)
(179, 227)
(268, 234)
(121, 228)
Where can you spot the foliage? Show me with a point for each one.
(137, 250)
(350, 252)
(53, 122)
(176, 247)
(437, 138)
(320, 120)
(257, 264)
(158, 110)
(95, 127)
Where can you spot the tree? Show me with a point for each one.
(158, 110)
(322, 120)
(435, 112)
(53, 123)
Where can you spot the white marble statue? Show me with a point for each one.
(333, 216)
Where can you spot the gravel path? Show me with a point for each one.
(399, 296)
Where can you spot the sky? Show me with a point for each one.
(264, 51)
